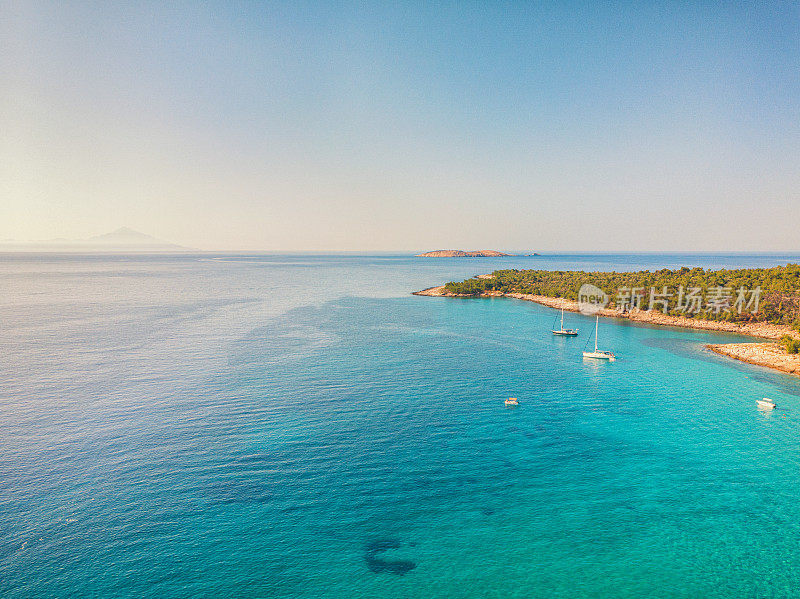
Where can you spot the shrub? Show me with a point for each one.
(791, 345)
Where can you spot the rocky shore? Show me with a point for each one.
(770, 355)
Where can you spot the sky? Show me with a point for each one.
(574, 126)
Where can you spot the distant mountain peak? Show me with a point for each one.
(127, 231)
(126, 235)
(123, 239)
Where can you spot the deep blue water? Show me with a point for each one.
(301, 426)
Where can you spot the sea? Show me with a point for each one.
(301, 426)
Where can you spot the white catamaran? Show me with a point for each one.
(562, 330)
(599, 353)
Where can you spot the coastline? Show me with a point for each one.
(765, 354)
(769, 355)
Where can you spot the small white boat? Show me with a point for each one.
(563, 331)
(512, 401)
(765, 404)
(599, 354)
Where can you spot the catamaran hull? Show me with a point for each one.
(566, 333)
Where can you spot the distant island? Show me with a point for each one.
(123, 239)
(463, 254)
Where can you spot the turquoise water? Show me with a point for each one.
(300, 426)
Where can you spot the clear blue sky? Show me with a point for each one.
(350, 126)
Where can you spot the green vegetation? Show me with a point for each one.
(722, 294)
(792, 346)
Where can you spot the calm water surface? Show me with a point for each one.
(301, 426)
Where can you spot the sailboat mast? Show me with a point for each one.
(562, 318)
(596, 324)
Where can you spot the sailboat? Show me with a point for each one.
(562, 330)
(599, 353)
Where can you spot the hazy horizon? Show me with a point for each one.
(364, 128)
